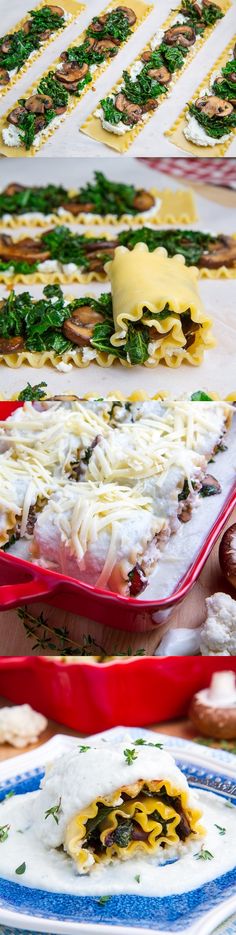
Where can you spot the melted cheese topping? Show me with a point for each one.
(89, 529)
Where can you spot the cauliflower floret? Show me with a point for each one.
(21, 725)
(218, 634)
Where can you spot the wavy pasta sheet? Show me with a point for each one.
(141, 10)
(93, 124)
(134, 806)
(176, 132)
(69, 6)
(143, 282)
(172, 208)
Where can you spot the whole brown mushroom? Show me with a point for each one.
(213, 710)
(227, 554)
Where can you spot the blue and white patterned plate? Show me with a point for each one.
(210, 908)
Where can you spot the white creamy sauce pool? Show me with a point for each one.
(53, 870)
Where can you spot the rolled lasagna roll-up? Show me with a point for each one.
(23, 490)
(158, 313)
(114, 803)
(105, 535)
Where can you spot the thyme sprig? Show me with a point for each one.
(57, 639)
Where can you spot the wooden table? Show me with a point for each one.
(191, 613)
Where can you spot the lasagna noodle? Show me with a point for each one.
(93, 125)
(22, 486)
(86, 277)
(69, 6)
(176, 132)
(176, 207)
(142, 10)
(143, 280)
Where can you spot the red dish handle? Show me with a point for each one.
(12, 594)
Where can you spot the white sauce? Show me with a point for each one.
(53, 870)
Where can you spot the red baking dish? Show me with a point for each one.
(22, 582)
(90, 697)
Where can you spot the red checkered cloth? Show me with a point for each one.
(208, 171)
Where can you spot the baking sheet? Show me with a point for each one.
(151, 141)
(217, 372)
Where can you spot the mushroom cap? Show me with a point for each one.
(210, 721)
(227, 554)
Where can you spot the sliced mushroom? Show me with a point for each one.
(143, 200)
(221, 253)
(180, 35)
(160, 74)
(105, 45)
(39, 123)
(55, 9)
(130, 15)
(196, 8)
(13, 188)
(86, 315)
(38, 103)
(11, 345)
(30, 250)
(96, 246)
(99, 24)
(210, 485)
(134, 111)
(77, 332)
(75, 207)
(45, 35)
(71, 72)
(214, 106)
(146, 56)
(68, 85)
(5, 47)
(16, 115)
(151, 104)
(4, 76)
(27, 27)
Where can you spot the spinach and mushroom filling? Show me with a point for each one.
(216, 111)
(143, 822)
(90, 254)
(139, 95)
(16, 47)
(50, 323)
(99, 197)
(34, 114)
(53, 324)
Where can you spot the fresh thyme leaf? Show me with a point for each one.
(200, 396)
(220, 829)
(4, 829)
(102, 900)
(9, 795)
(56, 639)
(130, 756)
(137, 878)
(83, 749)
(204, 854)
(54, 811)
(21, 869)
(147, 743)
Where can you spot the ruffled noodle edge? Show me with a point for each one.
(176, 130)
(20, 151)
(171, 213)
(122, 144)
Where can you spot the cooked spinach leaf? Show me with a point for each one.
(116, 26)
(215, 126)
(33, 392)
